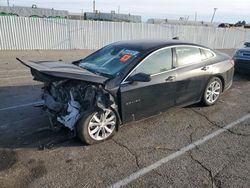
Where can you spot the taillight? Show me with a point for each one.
(232, 61)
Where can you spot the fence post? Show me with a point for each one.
(69, 34)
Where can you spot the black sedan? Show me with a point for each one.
(242, 59)
(129, 81)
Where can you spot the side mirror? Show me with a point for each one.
(139, 77)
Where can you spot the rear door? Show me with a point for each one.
(143, 99)
(193, 73)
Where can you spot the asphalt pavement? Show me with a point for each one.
(195, 146)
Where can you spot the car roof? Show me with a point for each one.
(146, 45)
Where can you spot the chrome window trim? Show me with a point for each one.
(174, 46)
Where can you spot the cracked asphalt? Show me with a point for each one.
(31, 155)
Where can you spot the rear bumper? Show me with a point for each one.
(228, 78)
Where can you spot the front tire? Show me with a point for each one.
(212, 92)
(96, 127)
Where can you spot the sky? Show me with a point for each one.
(227, 10)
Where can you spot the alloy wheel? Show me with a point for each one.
(213, 91)
(102, 125)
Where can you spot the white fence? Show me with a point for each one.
(20, 33)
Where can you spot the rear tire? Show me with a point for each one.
(96, 127)
(212, 92)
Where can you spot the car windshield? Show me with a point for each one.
(109, 61)
(247, 44)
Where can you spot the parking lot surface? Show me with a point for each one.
(31, 155)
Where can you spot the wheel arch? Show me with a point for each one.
(119, 121)
(212, 78)
(222, 79)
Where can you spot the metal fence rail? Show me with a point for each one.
(21, 33)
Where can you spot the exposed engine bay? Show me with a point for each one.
(67, 101)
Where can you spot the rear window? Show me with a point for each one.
(188, 55)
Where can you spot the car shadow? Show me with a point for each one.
(241, 77)
(28, 126)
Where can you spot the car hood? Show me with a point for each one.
(49, 71)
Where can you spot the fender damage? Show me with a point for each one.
(70, 92)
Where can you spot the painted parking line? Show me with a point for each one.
(16, 77)
(15, 70)
(182, 151)
(22, 105)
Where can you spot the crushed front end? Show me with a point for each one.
(70, 92)
(68, 100)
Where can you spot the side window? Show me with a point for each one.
(187, 55)
(206, 54)
(156, 63)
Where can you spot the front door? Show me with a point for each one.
(144, 99)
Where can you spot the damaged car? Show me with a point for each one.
(128, 81)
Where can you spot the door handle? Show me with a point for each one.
(205, 68)
(170, 78)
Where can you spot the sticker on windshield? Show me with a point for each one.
(125, 57)
(131, 52)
